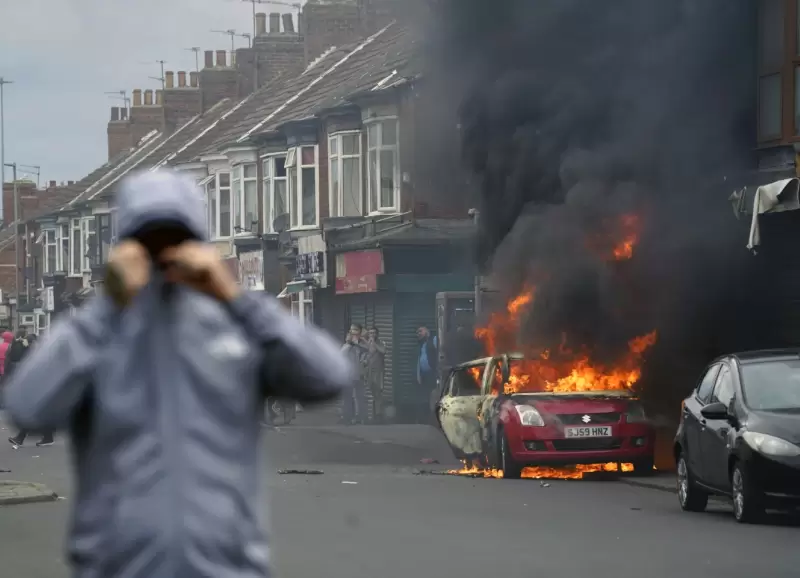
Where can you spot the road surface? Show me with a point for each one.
(369, 515)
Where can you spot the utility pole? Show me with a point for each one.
(3, 82)
(196, 50)
(13, 167)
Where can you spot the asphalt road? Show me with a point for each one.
(389, 522)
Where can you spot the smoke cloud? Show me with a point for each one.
(586, 122)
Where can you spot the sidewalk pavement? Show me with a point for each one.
(13, 493)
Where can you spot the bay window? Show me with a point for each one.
(383, 166)
(88, 241)
(220, 213)
(303, 306)
(104, 238)
(63, 247)
(81, 244)
(344, 186)
(302, 174)
(275, 205)
(50, 251)
(76, 257)
(245, 198)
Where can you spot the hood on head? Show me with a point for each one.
(8, 337)
(160, 196)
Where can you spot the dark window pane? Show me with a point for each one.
(307, 156)
(280, 167)
(769, 107)
(771, 37)
(309, 197)
(350, 144)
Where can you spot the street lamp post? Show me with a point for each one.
(3, 82)
(15, 224)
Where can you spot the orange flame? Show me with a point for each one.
(630, 230)
(544, 472)
(560, 370)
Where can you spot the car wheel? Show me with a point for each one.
(644, 467)
(691, 498)
(748, 503)
(510, 468)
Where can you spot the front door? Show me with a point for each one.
(457, 411)
(693, 421)
(715, 435)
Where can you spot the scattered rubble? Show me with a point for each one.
(300, 472)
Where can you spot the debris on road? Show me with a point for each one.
(544, 484)
(5, 471)
(428, 461)
(351, 483)
(300, 472)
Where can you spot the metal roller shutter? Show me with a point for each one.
(411, 311)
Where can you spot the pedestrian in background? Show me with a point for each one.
(161, 380)
(8, 337)
(47, 436)
(354, 403)
(375, 364)
(427, 365)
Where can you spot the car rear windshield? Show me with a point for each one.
(772, 385)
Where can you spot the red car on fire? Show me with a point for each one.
(510, 431)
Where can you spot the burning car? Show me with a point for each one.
(490, 419)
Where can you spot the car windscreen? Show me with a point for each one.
(772, 385)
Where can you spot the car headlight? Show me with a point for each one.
(635, 413)
(770, 445)
(529, 416)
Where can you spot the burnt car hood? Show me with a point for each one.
(602, 402)
(782, 424)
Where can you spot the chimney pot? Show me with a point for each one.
(70, 183)
(123, 113)
(193, 80)
(114, 113)
(288, 24)
(209, 63)
(137, 97)
(169, 79)
(261, 24)
(182, 79)
(148, 97)
(52, 184)
(221, 58)
(160, 97)
(274, 23)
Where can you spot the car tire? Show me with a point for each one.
(644, 467)
(748, 501)
(690, 496)
(510, 468)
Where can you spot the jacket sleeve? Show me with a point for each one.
(299, 362)
(50, 383)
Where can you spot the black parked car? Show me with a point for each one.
(740, 435)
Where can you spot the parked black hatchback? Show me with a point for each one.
(740, 435)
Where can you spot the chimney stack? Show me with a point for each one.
(288, 24)
(209, 54)
(148, 97)
(182, 79)
(160, 97)
(114, 113)
(137, 97)
(52, 184)
(169, 79)
(274, 23)
(193, 80)
(261, 24)
(70, 183)
(221, 59)
(123, 113)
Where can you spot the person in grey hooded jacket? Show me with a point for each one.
(161, 383)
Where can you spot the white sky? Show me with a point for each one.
(63, 55)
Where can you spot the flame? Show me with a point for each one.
(630, 237)
(545, 473)
(558, 370)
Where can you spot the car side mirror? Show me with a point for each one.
(715, 410)
(504, 368)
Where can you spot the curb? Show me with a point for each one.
(31, 493)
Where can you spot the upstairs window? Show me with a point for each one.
(302, 174)
(104, 237)
(88, 242)
(771, 57)
(344, 186)
(76, 257)
(275, 185)
(220, 213)
(245, 196)
(50, 250)
(63, 237)
(383, 166)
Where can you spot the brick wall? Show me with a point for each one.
(119, 132)
(180, 105)
(145, 119)
(330, 24)
(28, 199)
(217, 84)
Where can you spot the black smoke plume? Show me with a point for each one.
(579, 116)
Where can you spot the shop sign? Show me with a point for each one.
(310, 263)
(357, 271)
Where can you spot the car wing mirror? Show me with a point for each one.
(505, 369)
(715, 410)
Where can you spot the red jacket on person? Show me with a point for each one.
(8, 337)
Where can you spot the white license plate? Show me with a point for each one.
(603, 431)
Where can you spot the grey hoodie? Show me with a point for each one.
(163, 402)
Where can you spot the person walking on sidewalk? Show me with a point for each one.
(161, 381)
(354, 406)
(427, 372)
(48, 437)
(376, 354)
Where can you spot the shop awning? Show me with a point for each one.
(292, 287)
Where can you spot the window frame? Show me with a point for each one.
(269, 179)
(298, 302)
(338, 158)
(75, 225)
(716, 367)
(64, 246)
(294, 176)
(239, 181)
(378, 148)
(88, 230)
(724, 370)
(47, 246)
(215, 219)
